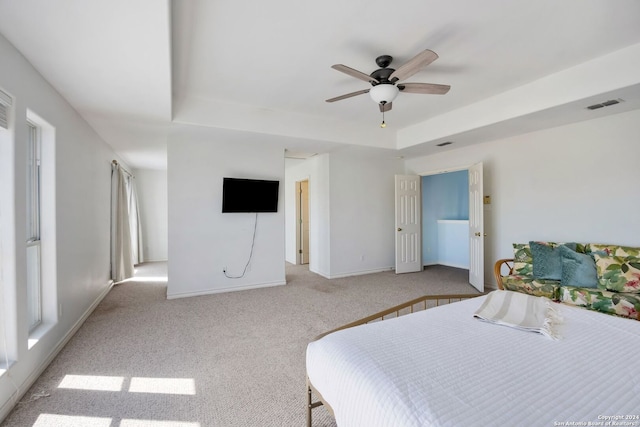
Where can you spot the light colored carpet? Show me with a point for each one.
(234, 359)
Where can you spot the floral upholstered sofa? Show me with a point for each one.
(599, 277)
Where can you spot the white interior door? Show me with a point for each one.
(304, 222)
(408, 224)
(476, 228)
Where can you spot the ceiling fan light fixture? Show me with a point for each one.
(384, 92)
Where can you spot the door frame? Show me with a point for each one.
(299, 229)
(453, 169)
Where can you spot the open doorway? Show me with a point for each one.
(473, 197)
(445, 219)
(459, 230)
(302, 222)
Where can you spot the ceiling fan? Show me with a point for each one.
(385, 81)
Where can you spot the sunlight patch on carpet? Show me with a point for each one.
(186, 386)
(55, 420)
(92, 382)
(156, 423)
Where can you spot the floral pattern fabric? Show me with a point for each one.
(522, 259)
(616, 303)
(618, 270)
(614, 250)
(532, 286)
(617, 273)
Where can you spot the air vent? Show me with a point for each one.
(298, 155)
(442, 144)
(605, 104)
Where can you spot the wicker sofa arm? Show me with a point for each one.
(497, 270)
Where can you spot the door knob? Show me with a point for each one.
(399, 229)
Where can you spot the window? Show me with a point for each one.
(5, 104)
(8, 316)
(34, 181)
(41, 310)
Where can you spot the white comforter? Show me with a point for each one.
(442, 367)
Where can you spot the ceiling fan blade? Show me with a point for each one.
(354, 73)
(427, 88)
(385, 107)
(412, 66)
(348, 95)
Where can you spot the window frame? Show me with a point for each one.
(34, 220)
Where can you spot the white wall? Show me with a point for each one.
(362, 210)
(570, 183)
(202, 240)
(319, 241)
(151, 186)
(80, 222)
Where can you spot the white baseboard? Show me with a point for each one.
(223, 290)
(448, 264)
(22, 389)
(357, 273)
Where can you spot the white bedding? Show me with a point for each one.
(442, 367)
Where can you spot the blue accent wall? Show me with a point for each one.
(444, 196)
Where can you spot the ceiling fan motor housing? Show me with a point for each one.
(383, 61)
(382, 75)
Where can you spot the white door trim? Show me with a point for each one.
(476, 227)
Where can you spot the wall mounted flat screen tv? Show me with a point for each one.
(249, 195)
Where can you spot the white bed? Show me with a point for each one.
(443, 367)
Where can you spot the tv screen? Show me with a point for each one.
(249, 195)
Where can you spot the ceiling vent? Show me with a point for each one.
(298, 155)
(605, 104)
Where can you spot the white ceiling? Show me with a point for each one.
(135, 69)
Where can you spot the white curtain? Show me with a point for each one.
(126, 239)
(134, 221)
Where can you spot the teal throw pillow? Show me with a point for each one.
(547, 261)
(578, 269)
